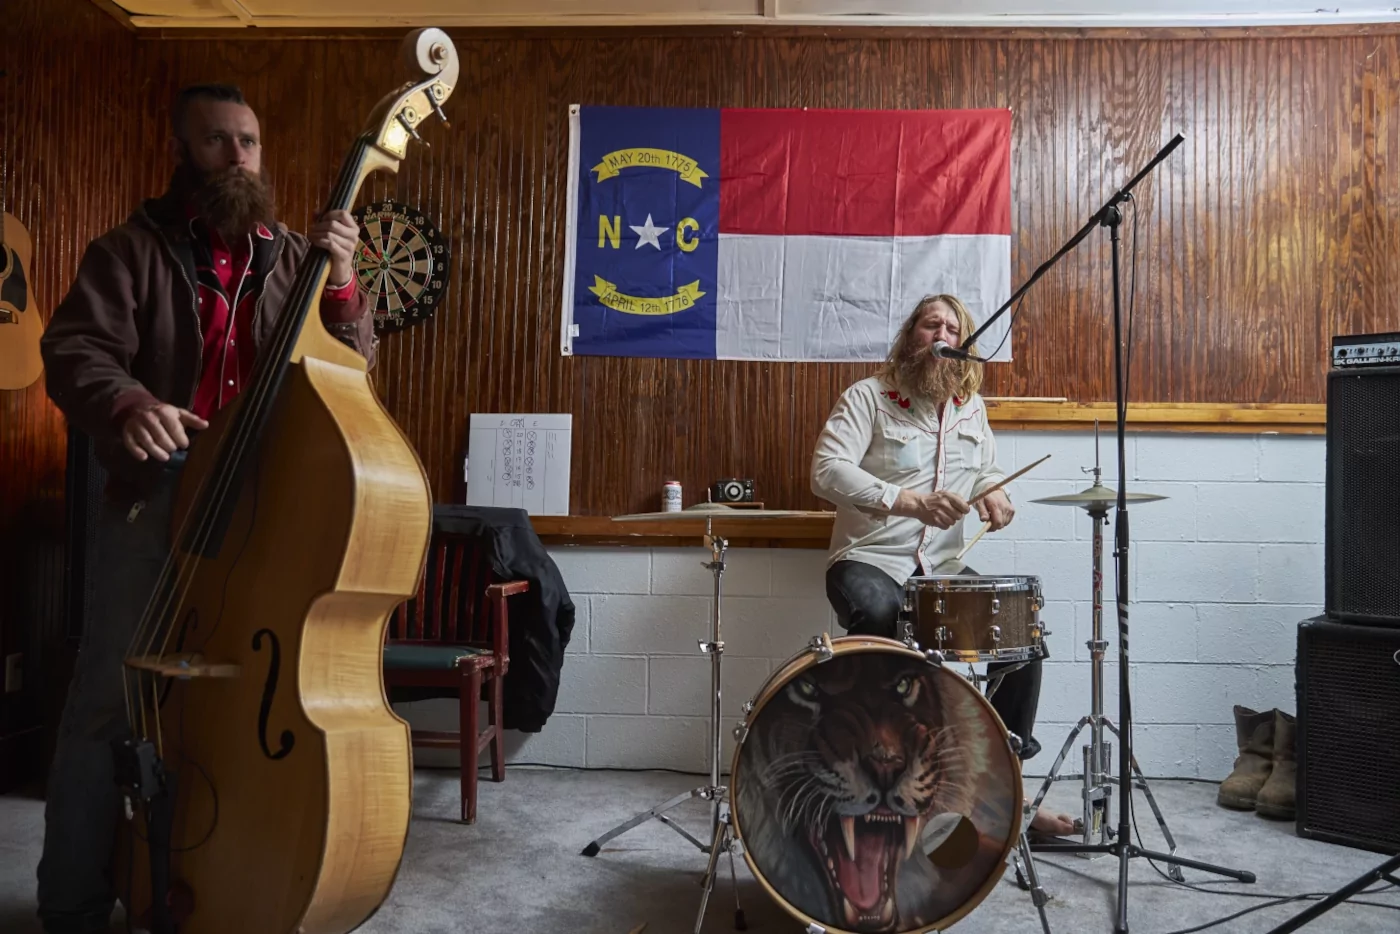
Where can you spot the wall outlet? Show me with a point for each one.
(14, 672)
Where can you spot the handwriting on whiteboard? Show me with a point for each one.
(520, 461)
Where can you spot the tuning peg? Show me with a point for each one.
(411, 131)
(437, 108)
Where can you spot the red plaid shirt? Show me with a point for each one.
(228, 281)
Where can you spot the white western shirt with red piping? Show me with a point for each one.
(877, 442)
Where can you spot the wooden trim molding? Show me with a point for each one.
(1203, 417)
(266, 28)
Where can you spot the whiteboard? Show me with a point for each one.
(520, 461)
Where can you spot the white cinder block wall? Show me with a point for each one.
(1222, 572)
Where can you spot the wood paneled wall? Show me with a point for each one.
(1272, 228)
(1266, 232)
(67, 149)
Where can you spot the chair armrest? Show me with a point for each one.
(500, 618)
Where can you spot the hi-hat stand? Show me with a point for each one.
(1097, 775)
(1111, 216)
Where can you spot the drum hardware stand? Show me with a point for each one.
(1021, 860)
(1026, 876)
(723, 842)
(993, 681)
(714, 792)
(1111, 216)
(1383, 871)
(1097, 772)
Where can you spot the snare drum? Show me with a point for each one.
(873, 789)
(976, 619)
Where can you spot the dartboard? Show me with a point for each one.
(402, 264)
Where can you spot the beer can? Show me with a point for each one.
(671, 496)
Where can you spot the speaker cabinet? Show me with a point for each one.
(1348, 741)
(1363, 495)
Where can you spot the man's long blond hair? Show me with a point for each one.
(971, 380)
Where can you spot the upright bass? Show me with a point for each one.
(270, 782)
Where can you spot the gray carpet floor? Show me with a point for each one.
(518, 869)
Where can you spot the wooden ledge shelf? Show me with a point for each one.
(740, 532)
(1216, 418)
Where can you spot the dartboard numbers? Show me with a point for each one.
(402, 264)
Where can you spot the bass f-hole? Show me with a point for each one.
(288, 739)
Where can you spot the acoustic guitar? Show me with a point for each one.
(20, 325)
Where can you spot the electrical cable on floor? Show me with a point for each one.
(1132, 814)
(1273, 900)
(1308, 897)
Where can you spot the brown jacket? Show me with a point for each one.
(128, 331)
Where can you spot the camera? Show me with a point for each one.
(731, 491)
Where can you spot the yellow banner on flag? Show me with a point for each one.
(645, 305)
(614, 162)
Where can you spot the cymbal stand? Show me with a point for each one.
(713, 791)
(1098, 774)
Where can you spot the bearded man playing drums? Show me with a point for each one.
(900, 456)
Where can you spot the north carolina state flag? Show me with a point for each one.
(780, 234)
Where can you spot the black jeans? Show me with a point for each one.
(867, 603)
(76, 893)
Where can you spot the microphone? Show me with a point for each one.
(941, 349)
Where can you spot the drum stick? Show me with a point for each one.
(975, 540)
(985, 493)
(987, 525)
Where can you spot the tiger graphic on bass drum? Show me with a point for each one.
(849, 773)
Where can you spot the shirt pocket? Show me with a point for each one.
(903, 446)
(965, 448)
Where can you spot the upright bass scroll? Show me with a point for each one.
(270, 777)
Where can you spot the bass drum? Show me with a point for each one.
(874, 790)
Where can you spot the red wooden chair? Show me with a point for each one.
(453, 639)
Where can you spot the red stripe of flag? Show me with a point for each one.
(865, 172)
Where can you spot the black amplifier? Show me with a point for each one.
(1348, 741)
(1362, 521)
(1350, 350)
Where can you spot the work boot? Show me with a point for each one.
(1277, 797)
(1254, 732)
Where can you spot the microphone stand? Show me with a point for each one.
(1110, 216)
(1381, 872)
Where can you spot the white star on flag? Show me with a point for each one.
(647, 234)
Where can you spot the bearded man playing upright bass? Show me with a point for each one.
(159, 331)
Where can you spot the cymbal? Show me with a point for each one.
(721, 511)
(1096, 496)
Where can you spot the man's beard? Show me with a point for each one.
(932, 379)
(232, 201)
